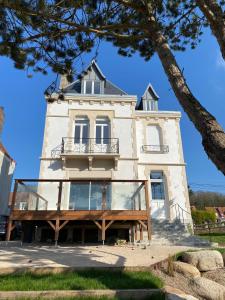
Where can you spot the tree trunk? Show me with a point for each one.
(213, 135)
(216, 19)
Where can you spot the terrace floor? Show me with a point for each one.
(84, 256)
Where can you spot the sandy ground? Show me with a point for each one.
(85, 256)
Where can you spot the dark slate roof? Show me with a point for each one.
(109, 87)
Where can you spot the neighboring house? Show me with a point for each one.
(105, 155)
(7, 167)
(219, 211)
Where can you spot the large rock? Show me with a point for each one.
(186, 269)
(176, 294)
(204, 260)
(208, 289)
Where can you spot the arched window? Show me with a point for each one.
(153, 137)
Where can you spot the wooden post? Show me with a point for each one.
(83, 235)
(135, 232)
(103, 231)
(56, 231)
(9, 226)
(141, 232)
(59, 196)
(148, 209)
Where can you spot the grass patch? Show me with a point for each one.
(82, 280)
(214, 237)
(221, 250)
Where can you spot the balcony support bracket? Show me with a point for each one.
(90, 161)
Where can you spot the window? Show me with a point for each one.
(157, 185)
(92, 87)
(81, 130)
(150, 104)
(88, 87)
(102, 131)
(90, 196)
(153, 137)
(96, 87)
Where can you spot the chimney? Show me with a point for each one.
(63, 82)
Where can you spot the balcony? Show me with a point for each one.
(90, 148)
(155, 148)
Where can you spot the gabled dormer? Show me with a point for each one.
(149, 100)
(91, 82)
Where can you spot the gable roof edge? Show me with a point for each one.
(152, 89)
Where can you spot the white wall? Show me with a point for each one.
(131, 164)
(7, 167)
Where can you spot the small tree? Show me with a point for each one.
(203, 216)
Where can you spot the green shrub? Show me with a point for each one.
(203, 216)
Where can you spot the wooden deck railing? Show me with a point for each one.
(59, 216)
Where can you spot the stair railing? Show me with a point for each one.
(180, 211)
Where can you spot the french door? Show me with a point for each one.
(81, 141)
(102, 135)
(158, 209)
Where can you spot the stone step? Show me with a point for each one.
(10, 244)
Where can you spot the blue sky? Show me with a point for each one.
(204, 69)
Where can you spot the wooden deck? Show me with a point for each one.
(58, 218)
(90, 215)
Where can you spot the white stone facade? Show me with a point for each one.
(136, 157)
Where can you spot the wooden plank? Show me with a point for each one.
(63, 224)
(148, 209)
(97, 224)
(120, 215)
(109, 224)
(51, 224)
(143, 224)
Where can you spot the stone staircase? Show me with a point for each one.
(166, 232)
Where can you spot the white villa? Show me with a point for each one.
(110, 165)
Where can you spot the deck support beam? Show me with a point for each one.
(143, 224)
(103, 231)
(56, 231)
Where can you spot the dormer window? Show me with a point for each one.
(92, 87)
(149, 101)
